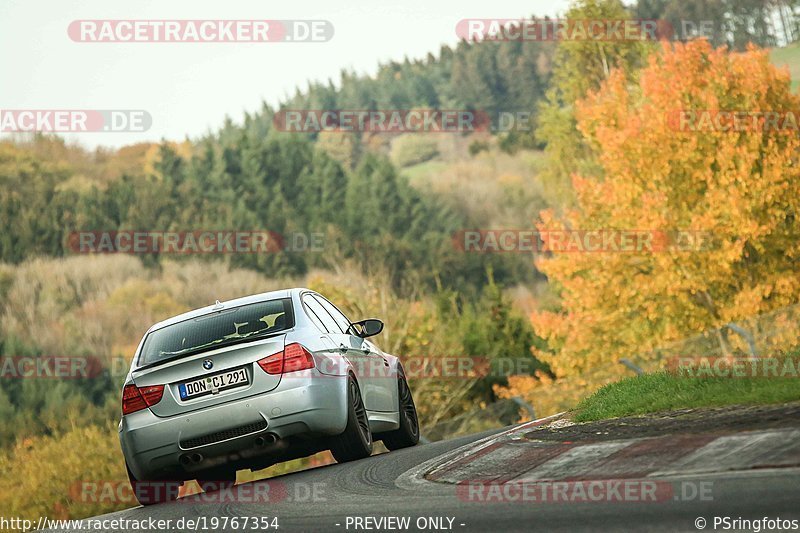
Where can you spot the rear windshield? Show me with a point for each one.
(220, 328)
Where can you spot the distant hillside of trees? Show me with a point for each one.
(278, 182)
(490, 76)
(250, 176)
(247, 175)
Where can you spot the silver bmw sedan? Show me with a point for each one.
(251, 382)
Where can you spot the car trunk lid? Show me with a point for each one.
(219, 363)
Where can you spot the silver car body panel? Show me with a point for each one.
(299, 409)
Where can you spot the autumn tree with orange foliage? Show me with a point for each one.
(741, 187)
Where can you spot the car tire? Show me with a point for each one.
(217, 480)
(153, 492)
(356, 440)
(407, 434)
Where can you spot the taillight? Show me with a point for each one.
(294, 357)
(137, 398)
(272, 364)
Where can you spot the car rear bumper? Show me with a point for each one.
(314, 405)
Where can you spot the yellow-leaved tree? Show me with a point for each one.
(740, 187)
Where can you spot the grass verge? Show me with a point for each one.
(663, 391)
(788, 56)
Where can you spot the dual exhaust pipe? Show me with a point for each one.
(191, 458)
(264, 440)
(196, 458)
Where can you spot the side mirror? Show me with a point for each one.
(367, 327)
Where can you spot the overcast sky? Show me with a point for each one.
(189, 88)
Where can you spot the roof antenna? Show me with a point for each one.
(218, 305)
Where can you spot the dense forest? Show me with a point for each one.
(248, 175)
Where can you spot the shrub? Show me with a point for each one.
(47, 476)
(412, 149)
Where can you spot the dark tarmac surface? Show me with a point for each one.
(339, 497)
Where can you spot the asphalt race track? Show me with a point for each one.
(340, 497)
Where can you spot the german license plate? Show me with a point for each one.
(213, 384)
